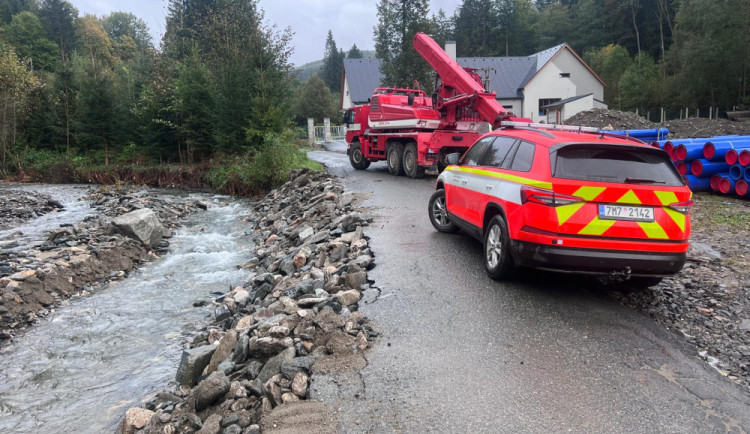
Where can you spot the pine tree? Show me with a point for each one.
(58, 17)
(354, 53)
(195, 106)
(398, 22)
(333, 64)
(476, 28)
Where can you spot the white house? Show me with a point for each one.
(526, 86)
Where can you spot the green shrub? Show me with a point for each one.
(253, 173)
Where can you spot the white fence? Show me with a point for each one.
(318, 132)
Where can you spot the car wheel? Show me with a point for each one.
(395, 157)
(357, 160)
(498, 259)
(411, 166)
(439, 213)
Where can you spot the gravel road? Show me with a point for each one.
(546, 353)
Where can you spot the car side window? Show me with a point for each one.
(474, 155)
(498, 152)
(524, 157)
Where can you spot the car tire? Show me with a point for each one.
(357, 160)
(498, 259)
(395, 159)
(411, 166)
(439, 213)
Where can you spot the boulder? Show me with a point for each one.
(193, 362)
(273, 365)
(225, 347)
(135, 419)
(210, 390)
(142, 225)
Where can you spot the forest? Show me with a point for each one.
(219, 88)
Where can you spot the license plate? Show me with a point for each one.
(625, 212)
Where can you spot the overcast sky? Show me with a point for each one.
(350, 20)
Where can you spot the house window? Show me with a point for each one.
(564, 75)
(546, 101)
(508, 107)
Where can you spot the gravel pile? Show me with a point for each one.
(298, 312)
(678, 129)
(708, 302)
(617, 120)
(19, 206)
(76, 258)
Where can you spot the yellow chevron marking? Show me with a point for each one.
(678, 217)
(505, 176)
(666, 197)
(629, 197)
(589, 193)
(653, 230)
(597, 227)
(566, 211)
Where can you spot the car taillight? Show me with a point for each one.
(682, 207)
(546, 197)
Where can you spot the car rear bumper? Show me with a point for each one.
(595, 261)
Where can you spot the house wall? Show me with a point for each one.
(516, 104)
(548, 84)
(346, 98)
(574, 107)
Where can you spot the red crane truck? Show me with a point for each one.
(413, 131)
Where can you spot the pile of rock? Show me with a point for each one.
(34, 280)
(309, 265)
(19, 206)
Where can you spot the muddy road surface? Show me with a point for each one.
(544, 353)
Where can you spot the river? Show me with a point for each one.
(80, 369)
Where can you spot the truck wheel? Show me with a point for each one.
(439, 213)
(395, 159)
(411, 166)
(357, 160)
(498, 259)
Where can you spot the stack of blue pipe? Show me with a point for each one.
(711, 163)
(650, 135)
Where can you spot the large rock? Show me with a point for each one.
(193, 362)
(273, 365)
(225, 347)
(210, 390)
(142, 225)
(135, 419)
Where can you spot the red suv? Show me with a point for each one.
(567, 201)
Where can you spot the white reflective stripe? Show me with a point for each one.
(354, 127)
(501, 189)
(405, 123)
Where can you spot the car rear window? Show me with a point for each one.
(612, 163)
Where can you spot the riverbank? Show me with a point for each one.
(38, 275)
(253, 365)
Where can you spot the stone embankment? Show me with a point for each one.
(296, 315)
(123, 229)
(20, 206)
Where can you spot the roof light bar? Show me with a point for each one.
(573, 128)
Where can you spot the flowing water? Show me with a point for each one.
(80, 370)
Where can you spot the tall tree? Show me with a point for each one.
(710, 53)
(128, 33)
(9, 8)
(195, 108)
(398, 22)
(333, 64)
(640, 84)
(354, 53)
(476, 28)
(314, 100)
(443, 27)
(609, 63)
(27, 35)
(58, 18)
(16, 84)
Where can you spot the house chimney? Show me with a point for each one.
(450, 48)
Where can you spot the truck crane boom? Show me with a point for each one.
(459, 79)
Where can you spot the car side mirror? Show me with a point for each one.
(452, 158)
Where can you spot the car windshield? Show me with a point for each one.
(612, 163)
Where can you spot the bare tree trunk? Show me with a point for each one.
(634, 6)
